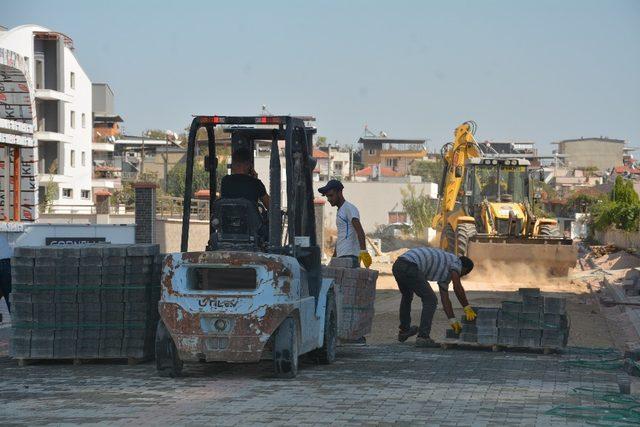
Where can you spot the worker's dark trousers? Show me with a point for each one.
(5, 280)
(411, 281)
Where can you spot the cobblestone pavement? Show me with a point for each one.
(378, 384)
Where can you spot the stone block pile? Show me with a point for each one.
(536, 321)
(355, 298)
(85, 302)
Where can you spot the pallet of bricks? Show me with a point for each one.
(85, 302)
(355, 297)
(536, 321)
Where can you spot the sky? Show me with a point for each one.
(537, 71)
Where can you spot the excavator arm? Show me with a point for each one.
(455, 155)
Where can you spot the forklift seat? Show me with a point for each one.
(238, 225)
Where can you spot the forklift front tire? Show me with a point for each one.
(285, 349)
(326, 355)
(168, 361)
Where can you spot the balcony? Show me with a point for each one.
(52, 95)
(52, 136)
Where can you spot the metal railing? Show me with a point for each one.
(171, 207)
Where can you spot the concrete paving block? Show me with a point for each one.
(88, 296)
(44, 313)
(487, 339)
(340, 262)
(511, 306)
(114, 261)
(491, 330)
(507, 340)
(529, 342)
(555, 305)
(22, 262)
(91, 251)
(529, 292)
(469, 328)
(66, 296)
(112, 314)
(555, 321)
(450, 333)
(531, 304)
(115, 251)
(135, 261)
(42, 343)
(43, 297)
(112, 294)
(24, 252)
(531, 320)
(21, 312)
(139, 269)
(47, 262)
(47, 252)
(64, 344)
(137, 279)
(20, 344)
(89, 313)
(487, 312)
(44, 276)
(509, 332)
(20, 296)
(87, 281)
(66, 314)
(91, 261)
(508, 319)
(113, 269)
(143, 250)
(22, 275)
(468, 337)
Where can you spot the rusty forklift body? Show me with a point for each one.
(256, 292)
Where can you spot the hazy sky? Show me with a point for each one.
(523, 70)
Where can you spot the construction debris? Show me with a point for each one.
(89, 302)
(534, 322)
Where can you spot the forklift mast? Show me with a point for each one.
(244, 131)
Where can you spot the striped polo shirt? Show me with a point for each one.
(435, 264)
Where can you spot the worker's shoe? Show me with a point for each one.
(404, 335)
(426, 342)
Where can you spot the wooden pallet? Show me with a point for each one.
(449, 343)
(116, 360)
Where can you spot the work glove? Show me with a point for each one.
(471, 315)
(455, 325)
(365, 258)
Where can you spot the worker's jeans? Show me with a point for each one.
(5, 280)
(411, 281)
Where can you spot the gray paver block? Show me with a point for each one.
(555, 305)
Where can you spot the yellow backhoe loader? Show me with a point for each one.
(485, 210)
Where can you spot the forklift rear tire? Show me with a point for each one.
(285, 349)
(326, 355)
(168, 361)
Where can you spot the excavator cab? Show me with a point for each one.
(486, 210)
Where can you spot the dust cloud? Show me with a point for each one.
(509, 272)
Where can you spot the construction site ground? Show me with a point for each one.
(383, 382)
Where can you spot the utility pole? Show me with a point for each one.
(142, 157)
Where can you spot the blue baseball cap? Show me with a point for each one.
(332, 184)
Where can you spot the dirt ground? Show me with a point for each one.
(588, 327)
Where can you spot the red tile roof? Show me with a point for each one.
(319, 154)
(623, 169)
(384, 171)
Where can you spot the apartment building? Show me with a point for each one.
(63, 109)
(395, 154)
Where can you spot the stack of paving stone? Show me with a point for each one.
(85, 302)
(535, 321)
(355, 298)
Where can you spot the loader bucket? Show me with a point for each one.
(547, 256)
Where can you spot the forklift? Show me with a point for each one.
(256, 291)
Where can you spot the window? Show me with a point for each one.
(85, 194)
(67, 193)
(83, 121)
(83, 159)
(372, 151)
(73, 119)
(72, 80)
(72, 158)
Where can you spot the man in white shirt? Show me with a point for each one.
(351, 241)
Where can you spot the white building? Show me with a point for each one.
(63, 111)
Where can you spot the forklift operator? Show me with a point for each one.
(243, 183)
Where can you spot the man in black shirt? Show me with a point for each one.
(243, 183)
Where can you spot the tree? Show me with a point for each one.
(430, 171)
(177, 175)
(622, 211)
(420, 208)
(50, 189)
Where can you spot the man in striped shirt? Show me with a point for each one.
(412, 271)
